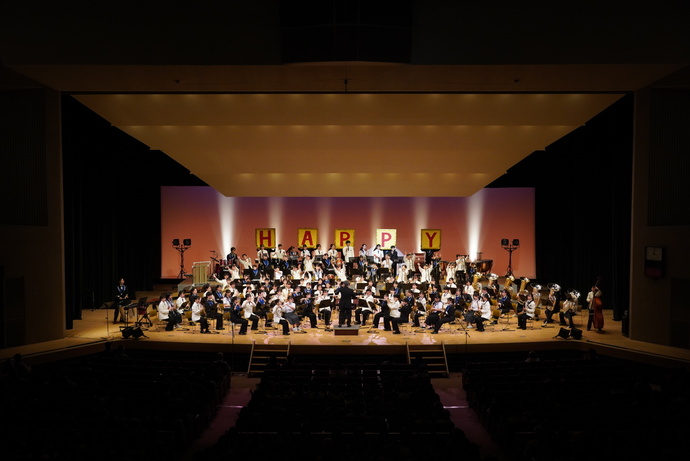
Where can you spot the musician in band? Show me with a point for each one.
(308, 309)
(199, 316)
(447, 317)
(384, 310)
(468, 291)
(279, 319)
(261, 252)
(265, 267)
(290, 313)
(211, 307)
(551, 309)
(307, 266)
(460, 268)
(318, 271)
(425, 272)
(237, 316)
(167, 311)
(419, 309)
(324, 308)
(595, 307)
(473, 311)
(231, 258)
(245, 262)
(278, 254)
(248, 312)
(527, 312)
(348, 257)
(402, 274)
(567, 312)
(224, 283)
(484, 312)
(504, 302)
(121, 299)
(364, 310)
(394, 318)
(435, 310)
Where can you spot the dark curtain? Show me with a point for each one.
(583, 196)
(112, 208)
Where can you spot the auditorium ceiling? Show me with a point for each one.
(219, 97)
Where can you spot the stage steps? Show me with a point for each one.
(261, 355)
(433, 356)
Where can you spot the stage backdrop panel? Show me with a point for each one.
(469, 224)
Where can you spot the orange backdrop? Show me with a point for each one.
(468, 224)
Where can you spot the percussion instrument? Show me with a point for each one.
(484, 265)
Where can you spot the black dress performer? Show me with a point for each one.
(121, 299)
(346, 296)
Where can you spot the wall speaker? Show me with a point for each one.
(188, 242)
(176, 242)
(516, 242)
(131, 332)
(504, 242)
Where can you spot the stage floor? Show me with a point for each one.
(93, 330)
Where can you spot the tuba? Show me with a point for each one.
(475, 281)
(522, 296)
(553, 288)
(523, 283)
(509, 282)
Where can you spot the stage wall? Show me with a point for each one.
(468, 224)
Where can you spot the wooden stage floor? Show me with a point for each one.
(92, 331)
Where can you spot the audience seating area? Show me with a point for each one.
(574, 409)
(135, 405)
(343, 411)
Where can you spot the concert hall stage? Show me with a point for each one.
(92, 331)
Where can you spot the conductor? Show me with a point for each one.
(346, 296)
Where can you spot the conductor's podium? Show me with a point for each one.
(346, 331)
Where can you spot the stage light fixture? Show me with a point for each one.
(504, 242)
(516, 242)
(188, 242)
(176, 242)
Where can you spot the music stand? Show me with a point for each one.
(143, 313)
